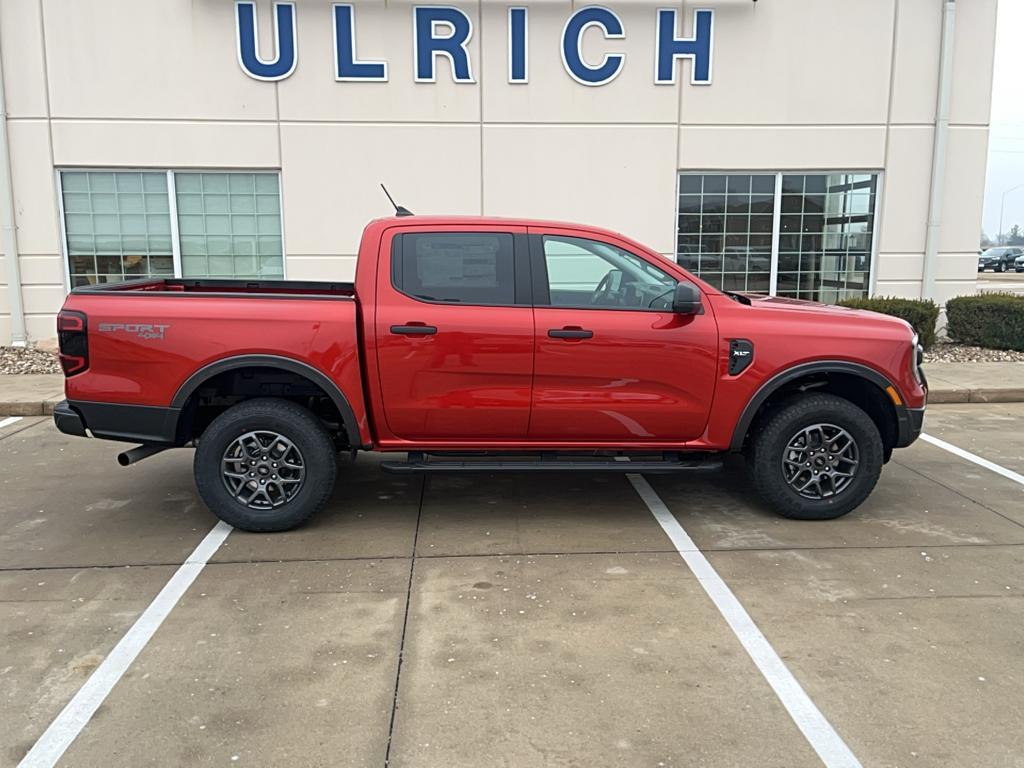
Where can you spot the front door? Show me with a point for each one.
(454, 333)
(613, 362)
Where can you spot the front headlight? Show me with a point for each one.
(916, 358)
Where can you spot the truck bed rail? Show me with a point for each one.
(282, 289)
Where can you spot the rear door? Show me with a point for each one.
(613, 362)
(454, 332)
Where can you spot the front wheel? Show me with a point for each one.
(999, 267)
(265, 465)
(816, 458)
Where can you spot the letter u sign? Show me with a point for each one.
(248, 41)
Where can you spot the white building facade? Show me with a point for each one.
(799, 147)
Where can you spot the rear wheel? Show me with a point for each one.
(265, 465)
(816, 458)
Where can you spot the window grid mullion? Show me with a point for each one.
(172, 206)
(773, 280)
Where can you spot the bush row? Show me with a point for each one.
(993, 320)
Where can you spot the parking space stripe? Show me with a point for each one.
(808, 718)
(75, 716)
(9, 420)
(1007, 473)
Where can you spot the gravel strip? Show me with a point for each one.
(948, 352)
(27, 360)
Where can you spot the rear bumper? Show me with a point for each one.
(68, 420)
(113, 421)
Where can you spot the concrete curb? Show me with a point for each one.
(940, 396)
(37, 408)
(935, 397)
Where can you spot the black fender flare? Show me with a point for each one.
(779, 380)
(193, 382)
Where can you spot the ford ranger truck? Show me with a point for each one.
(487, 344)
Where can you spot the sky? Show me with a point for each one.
(1006, 137)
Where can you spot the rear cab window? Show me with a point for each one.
(476, 268)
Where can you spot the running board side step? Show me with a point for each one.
(418, 462)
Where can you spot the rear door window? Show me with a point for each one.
(456, 267)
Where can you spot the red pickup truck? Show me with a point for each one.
(489, 344)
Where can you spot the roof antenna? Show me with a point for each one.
(400, 210)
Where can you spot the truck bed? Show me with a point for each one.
(151, 351)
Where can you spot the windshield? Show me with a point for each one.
(994, 252)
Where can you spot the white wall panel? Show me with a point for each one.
(782, 148)
(331, 177)
(797, 61)
(151, 59)
(162, 145)
(619, 177)
(21, 40)
(905, 192)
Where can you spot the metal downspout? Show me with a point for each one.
(8, 228)
(931, 241)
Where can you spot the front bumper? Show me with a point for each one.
(910, 422)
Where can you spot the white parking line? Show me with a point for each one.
(9, 420)
(73, 718)
(808, 718)
(1007, 473)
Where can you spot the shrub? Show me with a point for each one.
(922, 314)
(993, 320)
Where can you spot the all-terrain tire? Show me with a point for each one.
(770, 444)
(314, 452)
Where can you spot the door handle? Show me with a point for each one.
(414, 329)
(570, 333)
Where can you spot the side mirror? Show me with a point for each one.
(687, 299)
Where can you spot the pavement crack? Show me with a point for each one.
(405, 623)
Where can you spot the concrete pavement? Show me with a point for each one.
(514, 620)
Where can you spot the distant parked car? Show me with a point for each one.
(999, 259)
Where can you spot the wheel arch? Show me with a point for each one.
(316, 377)
(840, 377)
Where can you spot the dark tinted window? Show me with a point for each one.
(462, 267)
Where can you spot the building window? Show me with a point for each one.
(119, 225)
(807, 236)
(229, 224)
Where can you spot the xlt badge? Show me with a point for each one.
(741, 354)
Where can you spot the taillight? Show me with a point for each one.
(72, 332)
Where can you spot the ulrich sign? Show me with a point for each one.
(445, 31)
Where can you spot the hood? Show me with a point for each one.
(760, 300)
(831, 311)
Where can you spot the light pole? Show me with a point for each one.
(1002, 207)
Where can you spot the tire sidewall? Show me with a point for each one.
(287, 419)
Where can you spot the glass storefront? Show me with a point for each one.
(807, 236)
